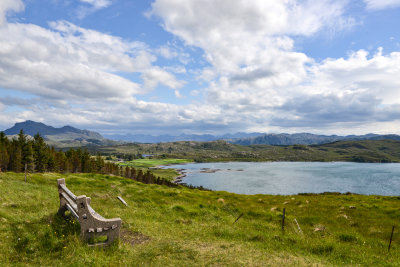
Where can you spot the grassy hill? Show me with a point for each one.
(358, 151)
(182, 227)
(62, 137)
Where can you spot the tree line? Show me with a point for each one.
(34, 155)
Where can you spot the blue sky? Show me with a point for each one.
(202, 66)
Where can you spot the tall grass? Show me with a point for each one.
(182, 227)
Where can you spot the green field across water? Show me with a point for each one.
(169, 174)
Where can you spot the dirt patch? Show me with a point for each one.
(133, 238)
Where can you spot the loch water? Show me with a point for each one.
(287, 178)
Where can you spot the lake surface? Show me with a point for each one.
(287, 178)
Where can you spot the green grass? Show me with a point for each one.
(182, 227)
(145, 164)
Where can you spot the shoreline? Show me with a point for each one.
(181, 172)
(180, 177)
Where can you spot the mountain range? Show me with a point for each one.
(284, 139)
(144, 138)
(68, 136)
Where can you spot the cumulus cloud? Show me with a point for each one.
(155, 76)
(361, 72)
(257, 76)
(49, 64)
(68, 70)
(323, 110)
(249, 43)
(71, 62)
(9, 5)
(246, 33)
(381, 4)
(254, 79)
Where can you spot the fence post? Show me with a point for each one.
(391, 237)
(26, 167)
(283, 220)
(240, 216)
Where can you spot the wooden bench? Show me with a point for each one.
(93, 226)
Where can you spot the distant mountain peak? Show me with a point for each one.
(307, 139)
(66, 132)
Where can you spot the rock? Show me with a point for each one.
(320, 228)
(221, 200)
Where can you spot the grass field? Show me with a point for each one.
(145, 164)
(183, 227)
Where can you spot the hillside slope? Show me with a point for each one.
(307, 139)
(65, 136)
(356, 151)
(182, 227)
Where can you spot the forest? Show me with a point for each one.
(34, 155)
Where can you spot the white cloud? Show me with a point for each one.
(49, 64)
(255, 71)
(72, 62)
(9, 5)
(194, 92)
(248, 43)
(90, 6)
(363, 73)
(381, 4)
(155, 76)
(98, 4)
(242, 26)
(255, 79)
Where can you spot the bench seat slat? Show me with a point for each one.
(72, 211)
(70, 201)
(68, 192)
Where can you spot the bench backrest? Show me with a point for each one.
(92, 224)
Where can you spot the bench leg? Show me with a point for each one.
(93, 227)
(61, 211)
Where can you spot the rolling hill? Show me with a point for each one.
(66, 136)
(284, 139)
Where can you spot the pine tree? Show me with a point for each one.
(127, 172)
(4, 157)
(140, 176)
(51, 162)
(26, 150)
(60, 162)
(133, 173)
(15, 157)
(27, 156)
(99, 164)
(40, 153)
